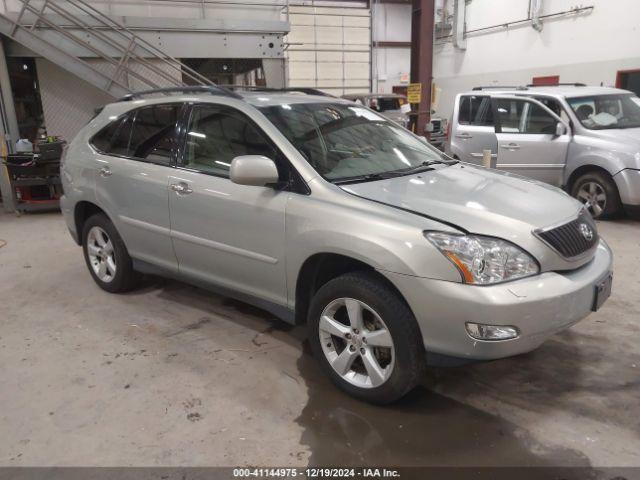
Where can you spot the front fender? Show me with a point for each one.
(382, 237)
(586, 151)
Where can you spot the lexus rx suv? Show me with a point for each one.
(324, 213)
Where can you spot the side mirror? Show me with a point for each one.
(254, 170)
(561, 129)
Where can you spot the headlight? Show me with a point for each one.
(484, 260)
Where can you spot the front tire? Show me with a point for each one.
(599, 194)
(366, 338)
(106, 255)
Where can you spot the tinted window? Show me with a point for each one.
(153, 133)
(388, 103)
(520, 116)
(217, 134)
(114, 138)
(475, 110)
(554, 106)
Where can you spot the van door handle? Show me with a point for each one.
(105, 172)
(510, 146)
(181, 188)
(463, 135)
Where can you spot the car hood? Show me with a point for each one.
(628, 138)
(476, 200)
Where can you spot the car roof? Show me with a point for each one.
(371, 95)
(567, 91)
(269, 98)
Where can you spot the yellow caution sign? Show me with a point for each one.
(414, 92)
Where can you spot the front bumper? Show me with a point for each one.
(538, 306)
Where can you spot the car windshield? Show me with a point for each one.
(349, 142)
(607, 111)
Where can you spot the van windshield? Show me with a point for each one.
(601, 112)
(345, 142)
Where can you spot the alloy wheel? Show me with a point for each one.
(101, 254)
(356, 342)
(594, 197)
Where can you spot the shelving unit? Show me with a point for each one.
(26, 172)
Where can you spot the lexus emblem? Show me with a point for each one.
(586, 231)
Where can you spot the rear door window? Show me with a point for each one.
(475, 110)
(153, 133)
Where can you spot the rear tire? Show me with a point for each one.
(374, 372)
(106, 255)
(599, 192)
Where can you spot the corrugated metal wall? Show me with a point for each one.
(330, 49)
(68, 102)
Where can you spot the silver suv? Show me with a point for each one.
(585, 139)
(325, 213)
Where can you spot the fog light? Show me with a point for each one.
(491, 332)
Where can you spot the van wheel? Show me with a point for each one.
(366, 338)
(599, 193)
(106, 255)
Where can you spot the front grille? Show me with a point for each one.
(571, 239)
(437, 125)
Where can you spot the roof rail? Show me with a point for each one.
(500, 87)
(559, 85)
(255, 88)
(211, 89)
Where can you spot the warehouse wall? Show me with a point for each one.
(391, 23)
(588, 48)
(68, 102)
(330, 49)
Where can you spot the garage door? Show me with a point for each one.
(329, 49)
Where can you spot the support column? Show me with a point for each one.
(422, 32)
(8, 128)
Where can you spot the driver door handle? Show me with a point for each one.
(181, 188)
(510, 146)
(463, 135)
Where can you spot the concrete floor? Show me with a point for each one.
(174, 375)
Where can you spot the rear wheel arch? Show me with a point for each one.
(81, 213)
(319, 269)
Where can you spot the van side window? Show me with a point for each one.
(520, 116)
(217, 134)
(153, 133)
(475, 110)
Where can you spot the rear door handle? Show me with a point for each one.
(510, 146)
(105, 172)
(181, 188)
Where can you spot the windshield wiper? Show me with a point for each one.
(371, 177)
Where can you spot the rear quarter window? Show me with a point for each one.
(147, 133)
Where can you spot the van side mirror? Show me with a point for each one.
(253, 170)
(561, 129)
